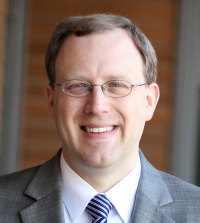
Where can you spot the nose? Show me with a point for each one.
(97, 102)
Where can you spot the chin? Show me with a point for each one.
(99, 161)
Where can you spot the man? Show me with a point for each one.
(102, 90)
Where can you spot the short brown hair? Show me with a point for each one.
(98, 23)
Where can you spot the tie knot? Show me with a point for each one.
(99, 208)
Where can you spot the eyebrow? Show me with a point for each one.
(123, 77)
(74, 76)
(117, 76)
(107, 77)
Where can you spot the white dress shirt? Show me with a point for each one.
(77, 193)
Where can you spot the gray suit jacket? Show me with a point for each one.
(35, 196)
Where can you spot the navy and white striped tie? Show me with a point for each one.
(99, 208)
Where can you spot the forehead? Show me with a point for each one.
(109, 53)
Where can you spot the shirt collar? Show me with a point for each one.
(77, 193)
(122, 195)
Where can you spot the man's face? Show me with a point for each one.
(97, 58)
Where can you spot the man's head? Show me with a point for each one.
(101, 134)
(100, 23)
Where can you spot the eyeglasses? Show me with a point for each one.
(113, 88)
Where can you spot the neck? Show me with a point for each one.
(103, 178)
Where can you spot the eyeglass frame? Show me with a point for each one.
(102, 87)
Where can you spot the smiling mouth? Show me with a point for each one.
(96, 130)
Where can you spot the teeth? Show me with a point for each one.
(95, 130)
(108, 128)
(102, 129)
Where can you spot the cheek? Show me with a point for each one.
(133, 113)
(66, 109)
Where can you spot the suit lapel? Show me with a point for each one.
(151, 195)
(146, 211)
(46, 189)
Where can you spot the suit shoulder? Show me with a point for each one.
(17, 181)
(180, 188)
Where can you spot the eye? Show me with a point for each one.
(77, 85)
(115, 85)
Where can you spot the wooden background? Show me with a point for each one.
(158, 19)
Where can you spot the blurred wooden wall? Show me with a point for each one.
(156, 18)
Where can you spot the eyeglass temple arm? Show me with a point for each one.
(138, 85)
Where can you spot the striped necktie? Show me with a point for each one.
(99, 208)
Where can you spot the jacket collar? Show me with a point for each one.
(46, 189)
(151, 195)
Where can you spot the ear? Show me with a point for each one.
(152, 96)
(49, 93)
